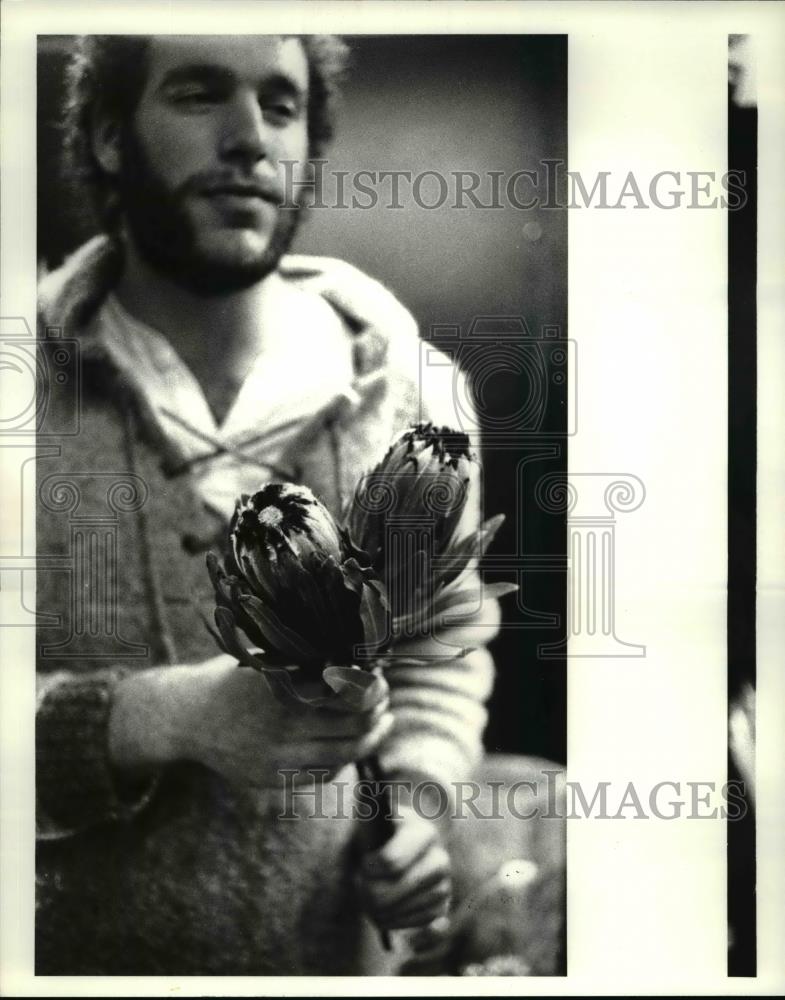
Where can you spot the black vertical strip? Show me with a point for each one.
(742, 448)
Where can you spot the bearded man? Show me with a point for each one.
(212, 361)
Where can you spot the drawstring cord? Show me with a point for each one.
(162, 640)
(225, 448)
(337, 463)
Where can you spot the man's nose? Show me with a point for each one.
(246, 134)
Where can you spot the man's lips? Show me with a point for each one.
(243, 191)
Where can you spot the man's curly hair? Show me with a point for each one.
(109, 72)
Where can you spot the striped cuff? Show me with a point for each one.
(75, 783)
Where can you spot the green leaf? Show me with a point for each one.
(489, 529)
(280, 683)
(359, 689)
(215, 570)
(375, 619)
(472, 597)
(217, 637)
(286, 692)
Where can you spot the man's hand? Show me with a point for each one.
(226, 718)
(406, 883)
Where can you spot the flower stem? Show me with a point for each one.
(381, 827)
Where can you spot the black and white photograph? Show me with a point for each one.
(391, 572)
(287, 465)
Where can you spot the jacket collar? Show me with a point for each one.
(69, 296)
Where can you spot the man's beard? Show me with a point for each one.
(165, 236)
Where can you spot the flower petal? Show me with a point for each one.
(231, 641)
(289, 644)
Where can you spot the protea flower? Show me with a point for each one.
(294, 587)
(424, 476)
(405, 515)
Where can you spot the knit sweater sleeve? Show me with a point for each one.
(76, 785)
(439, 710)
(439, 719)
(439, 707)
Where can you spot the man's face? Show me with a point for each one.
(201, 176)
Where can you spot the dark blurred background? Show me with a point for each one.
(449, 103)
(742, 484)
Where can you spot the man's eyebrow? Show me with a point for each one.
(202, 72)
(280, 83)
(210, 73)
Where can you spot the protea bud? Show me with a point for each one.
(294, 586)
(424, 477)
(405, 515)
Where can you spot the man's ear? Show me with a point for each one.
(106, 141)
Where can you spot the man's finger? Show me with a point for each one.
(412, 920)
(417, 909)
(428, 871)
(411, 841)
(329, 751)
(431, 936)
(341, 725)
